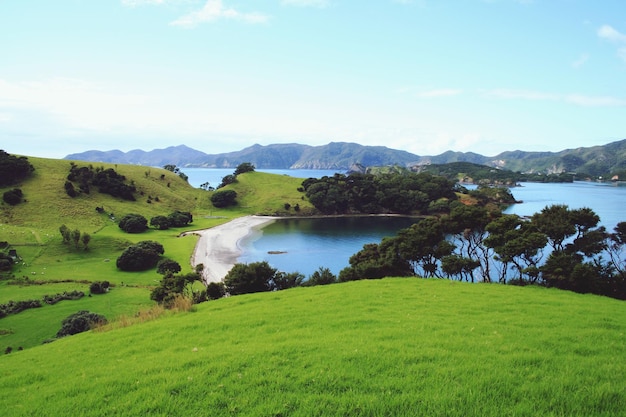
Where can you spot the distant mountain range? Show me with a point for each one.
(596, 160)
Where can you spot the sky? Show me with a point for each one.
(424, 76)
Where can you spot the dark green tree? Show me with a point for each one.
(133, 223)
(13, 197)
(215, 290)
(221, 199)
(243, 168)
(323, 276)
(79, 322)
(85, 238)
(168, 266)
(250, 278)
(141, 256)
(13, 169)
(160, 222)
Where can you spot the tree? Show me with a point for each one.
(13, 168)
(141, 256)
(179, 218)
(168, 266)
(215, 290)
(76, 237)
(423, 245)
(286, 280)
(173, 286)
(249, 278)
(80, 322)
(243, 168)
(13, 197)
(224, 198)
(133, 223)
(160, 222)
(85, 238)
(228, 179)
(323, 276)
(65, 233)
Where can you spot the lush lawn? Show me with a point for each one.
(394, 347)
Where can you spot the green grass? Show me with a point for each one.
(394, 347)
(33, 229)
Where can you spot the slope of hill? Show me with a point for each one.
(392, 347)
(48, 266)
(595, 161)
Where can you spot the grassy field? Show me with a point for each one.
(393, 347)
(32, 228)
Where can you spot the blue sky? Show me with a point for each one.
(424, 76)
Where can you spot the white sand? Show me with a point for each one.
(218, 247)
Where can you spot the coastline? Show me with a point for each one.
(218, 247)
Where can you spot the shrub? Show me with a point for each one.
(215, 290)
(13, 197)
(133, 223)
(99, 287)
(244, 167)
(250, 278)
(80, 322)
(72, 295)
(225, 198)
(165, 266)
(160, 222)
(141, 256)
(180, 218)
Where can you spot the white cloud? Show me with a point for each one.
(214, 10)
(609, 33)
(594, 101)
(444, 92)
(577, 99)
(306, 3)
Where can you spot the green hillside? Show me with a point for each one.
(392, 347)
(49, 267)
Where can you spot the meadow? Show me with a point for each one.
(32, 228)
(401, 347)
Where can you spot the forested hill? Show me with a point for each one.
(597, 160)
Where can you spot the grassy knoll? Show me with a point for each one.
(400, 347)
(32, 228)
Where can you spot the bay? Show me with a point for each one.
(305, 244)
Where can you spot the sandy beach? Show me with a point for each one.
(218, 248)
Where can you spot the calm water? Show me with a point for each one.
(608, 200)
(311, 243)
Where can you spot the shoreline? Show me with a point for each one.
(218, 247)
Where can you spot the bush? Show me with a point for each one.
(160, 222)
(72, 295)
(99, 287)
(225, 198)
(165, 266)
(133, 223)
(215, 290)
(141, 256)
(80, 322)
(180, 218)
(250, 278)
(13, 197)
(243, 168)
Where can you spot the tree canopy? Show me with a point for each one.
(13, 168)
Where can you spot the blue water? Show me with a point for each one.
(309, 243)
